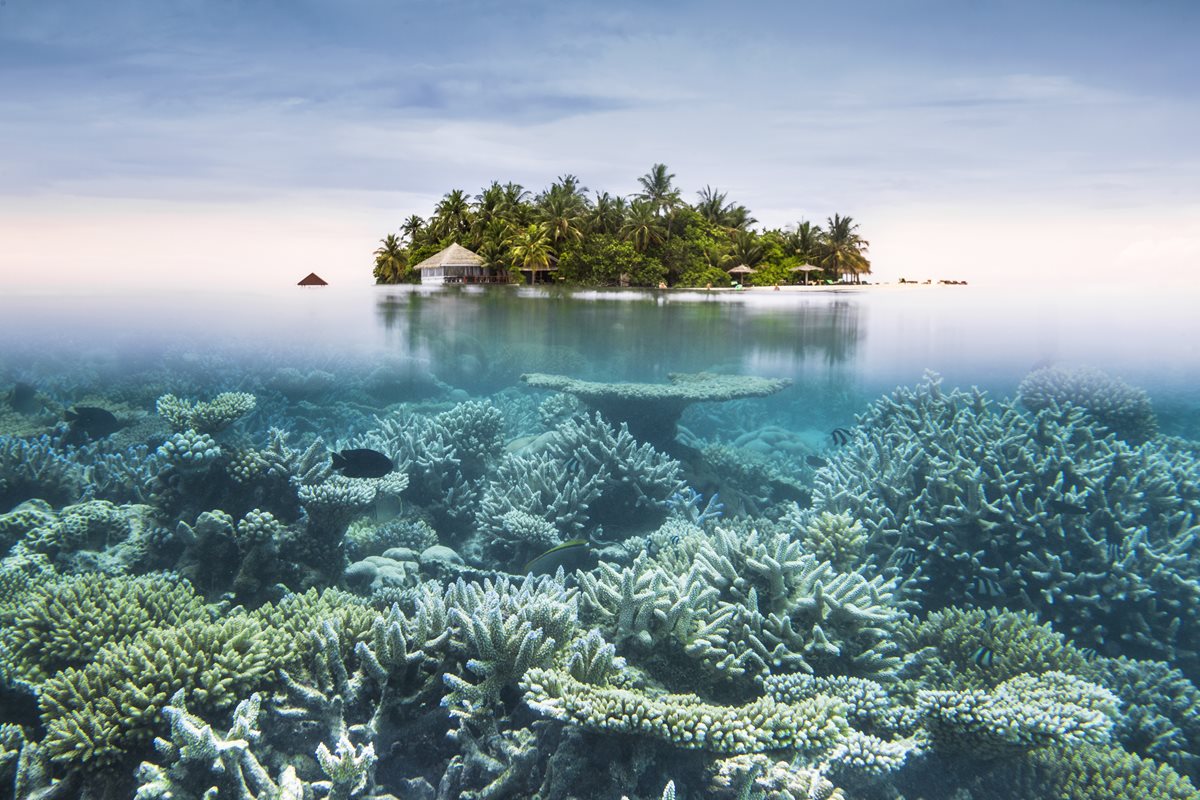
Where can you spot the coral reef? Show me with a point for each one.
(652, 410)
(986, 505)
(205, 417)
(1119, 407)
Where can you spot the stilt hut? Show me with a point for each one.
(457, 264)
(313, 279)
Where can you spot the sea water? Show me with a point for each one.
(960, 530)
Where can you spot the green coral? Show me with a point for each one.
(837, 538)
(1091, 772)
(974, 649)
(1023, 713)
(67, 622)
(205, 417)
(687, 721)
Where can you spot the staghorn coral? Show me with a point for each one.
(743, 606)
(836, 538)
(200, 763)
(1119, 407)
(1022, 713)
(1160, 710)
(37, 468)
(65, 623)
(652, 410)
(587, 476)
(685, 720)
(1049, 513)
(977, 649)
(211, 416)
(1083, 772)
(759, 776)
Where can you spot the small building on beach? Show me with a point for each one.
(313, 279)
(457, 264)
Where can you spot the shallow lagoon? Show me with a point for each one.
(890, 582)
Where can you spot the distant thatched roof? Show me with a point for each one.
(453, 256)
(313, 279)
(742, 269)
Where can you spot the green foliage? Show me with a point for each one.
(602, 260)
(685, 245)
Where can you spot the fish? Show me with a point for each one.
(839, 435)
(815, 461)
(983, 657)
(23, 398)
(362, 463)
(987, 587)
(1063, 507)
(570, 555)
(92, 422)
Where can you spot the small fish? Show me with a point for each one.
(904, 558)
(815, 461)
(570, 555)
(983, 656)
(92, 422)
(362, 463)
(1063, 507)
(23, 398)
(987, 587)
(839, 435)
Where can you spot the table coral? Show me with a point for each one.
(652, 410)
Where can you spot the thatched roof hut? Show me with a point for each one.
(457, 264)
(313, 279)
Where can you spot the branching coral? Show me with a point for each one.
(586, 477)
(1123, 409)
(1046, 512)
(1022, 713)
(747, 606)
(686, 720)
(211, 416)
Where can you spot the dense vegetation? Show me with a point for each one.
(650, 238)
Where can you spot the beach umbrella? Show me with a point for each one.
(805, 268)
(740, 272)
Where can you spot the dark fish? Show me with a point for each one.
(1063, 507)
(983, 657)
(814, 461)
(839, 435)
(362, 463)
(92, 422)
(23, 399)
(569, 555)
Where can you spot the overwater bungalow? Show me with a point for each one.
(457, 264)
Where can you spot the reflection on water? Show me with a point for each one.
(486, 339)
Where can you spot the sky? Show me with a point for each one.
(190, 142)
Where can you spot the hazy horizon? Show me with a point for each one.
(193, 142)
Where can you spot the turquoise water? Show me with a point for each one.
(925, 542)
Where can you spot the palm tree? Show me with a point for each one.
(738, 218)
(412, 228)
(452, 215)
(642, 226)
(561, 211)
(607, 214)
(529, 249)
(805, 241)
(841, 249)
(712, 205)
(391, 261)
(744, 249)
(657, 189)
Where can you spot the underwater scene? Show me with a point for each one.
(442, 543)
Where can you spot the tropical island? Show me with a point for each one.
(651, 238)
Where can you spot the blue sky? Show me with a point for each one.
(965, 137)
